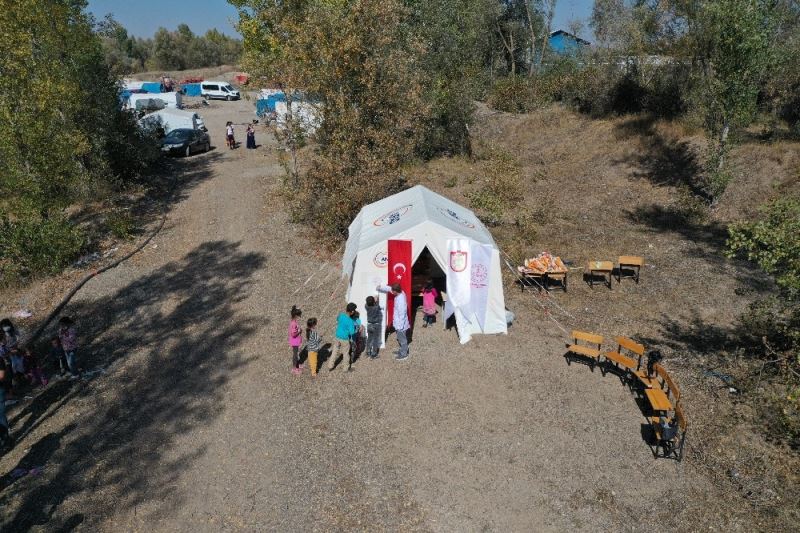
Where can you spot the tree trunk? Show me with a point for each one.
(550, 12)
(513, 59)
(533, 37)
(290, 138)
(723, 142)
(509, 46)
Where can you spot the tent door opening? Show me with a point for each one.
(426, 268)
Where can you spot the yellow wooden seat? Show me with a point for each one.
(589, 352)
(631, 263)
(628, 355)
(646, 381)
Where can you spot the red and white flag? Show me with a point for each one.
(459, 268)
(398, 269)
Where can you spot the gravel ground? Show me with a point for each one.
(198, 425)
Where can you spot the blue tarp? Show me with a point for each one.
(267, 105)
(262, 107)
(191, 89)
(151, 87)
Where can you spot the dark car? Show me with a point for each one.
(186, 141)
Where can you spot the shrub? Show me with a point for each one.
(513, 94)
(599, 89)
(500, 188)
(121, 223)
(772, 326)
(30, 247)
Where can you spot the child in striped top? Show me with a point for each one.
(313, 344)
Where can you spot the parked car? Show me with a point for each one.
(218, 89)
(162, 100)
(186, 141)
(172, 119)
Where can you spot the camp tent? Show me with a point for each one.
(439, 230)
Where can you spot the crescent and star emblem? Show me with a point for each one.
(400, 266)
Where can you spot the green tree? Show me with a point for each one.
(772, 325)
(62, 133)
(732, 41)
(392, 80)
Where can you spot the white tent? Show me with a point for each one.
(430, 221)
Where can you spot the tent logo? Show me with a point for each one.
(380, 259)
(479, 275)
(456, 217)
(392, 216)
(458, 261)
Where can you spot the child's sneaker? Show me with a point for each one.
(296, 371)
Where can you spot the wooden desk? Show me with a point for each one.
(630, 262)
(599, 267)
(658, 400)
(541, 280)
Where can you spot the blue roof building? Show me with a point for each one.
(562, 42)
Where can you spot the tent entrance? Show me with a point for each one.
(426, 268)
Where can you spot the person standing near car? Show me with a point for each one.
(229, 135)
(251, 137)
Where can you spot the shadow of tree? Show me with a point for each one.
(664, 161)
(692, 335)
(172, 339)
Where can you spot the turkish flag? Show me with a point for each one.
(398, 267)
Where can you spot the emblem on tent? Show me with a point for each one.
(380, 259)
(456, 217)
(458, 261)
(479, 275)
(399, 270)
(392, 216)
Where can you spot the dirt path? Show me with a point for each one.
(197, 424)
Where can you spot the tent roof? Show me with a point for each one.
(399, 213)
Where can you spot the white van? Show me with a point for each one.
(172, 100)
(172, 119)
(218, 89)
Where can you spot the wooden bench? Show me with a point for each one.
(631, 263)
(662, 394)
(627, 358)
(670, 445)
(649, 381)
(592, 354)
(603, 268)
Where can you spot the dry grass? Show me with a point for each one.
(598, 189)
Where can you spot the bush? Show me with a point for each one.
(31, 247)
(597, 89)
(772, 326)
(500, 188)
(121, 223)
(513, 94)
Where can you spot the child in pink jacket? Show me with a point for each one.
(429, 294)
(295, 339)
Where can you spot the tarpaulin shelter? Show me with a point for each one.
(191, 89)
(458, 247)
(267, 100)
(152, 87)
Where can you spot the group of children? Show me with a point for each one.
(22, 367)
(351, 337)
(19, 366)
